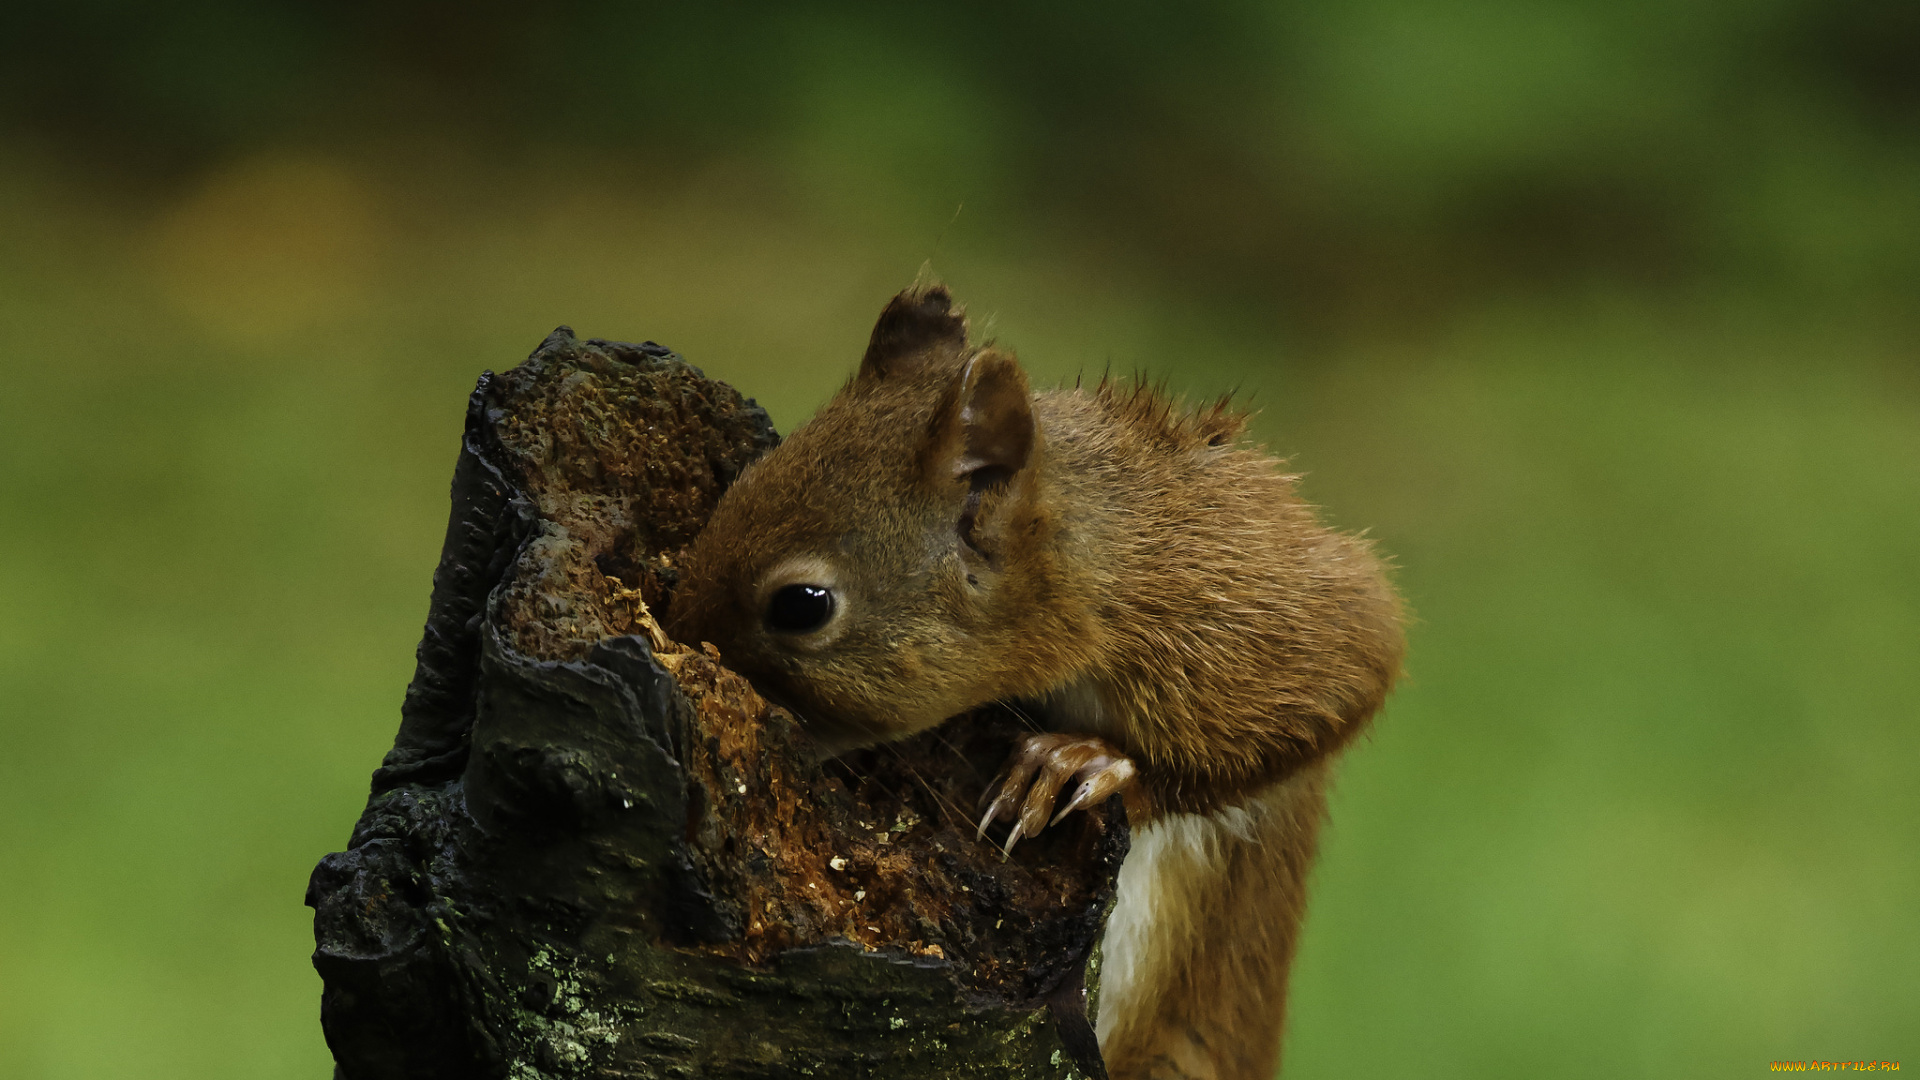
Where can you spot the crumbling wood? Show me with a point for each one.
(595, 852)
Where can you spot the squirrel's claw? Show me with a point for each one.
(1108, 778)
(986, 819)
(1013, 837)
(1009, 786)
(1041, 768)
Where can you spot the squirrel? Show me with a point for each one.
(939, 537)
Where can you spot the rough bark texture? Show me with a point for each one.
(593, 852)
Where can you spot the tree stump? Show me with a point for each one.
(595, 852)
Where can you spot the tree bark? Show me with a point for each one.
(594, 852)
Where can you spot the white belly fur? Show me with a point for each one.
(1234, 873)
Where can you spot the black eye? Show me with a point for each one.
(797, 609)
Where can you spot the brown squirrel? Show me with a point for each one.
(938, 537)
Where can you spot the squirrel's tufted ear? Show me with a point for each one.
(917, 329)
(996, 419)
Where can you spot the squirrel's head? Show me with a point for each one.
(863, 572)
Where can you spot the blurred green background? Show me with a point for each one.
(1600, 316)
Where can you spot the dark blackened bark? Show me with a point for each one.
(593, 852)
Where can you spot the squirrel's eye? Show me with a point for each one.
(797, 609)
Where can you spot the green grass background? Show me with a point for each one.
(1646, 804)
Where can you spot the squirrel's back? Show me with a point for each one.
(1241, 637)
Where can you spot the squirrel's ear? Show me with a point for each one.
(919, 327)
(996, 418)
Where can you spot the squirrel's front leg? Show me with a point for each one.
(1041, 767)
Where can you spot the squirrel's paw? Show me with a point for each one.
(1041, 767)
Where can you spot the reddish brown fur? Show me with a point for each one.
(1198, 946)
(1117, 560)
